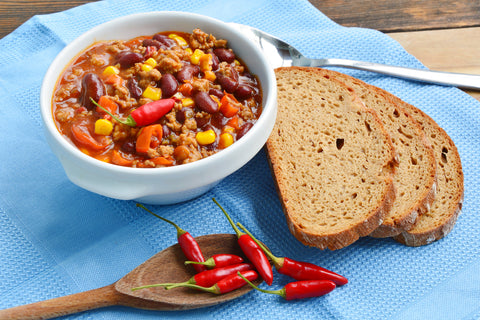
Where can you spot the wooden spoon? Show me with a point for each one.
(165, 266)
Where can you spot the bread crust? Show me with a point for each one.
(372, 215)
(437, 222)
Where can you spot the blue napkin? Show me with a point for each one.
(57, 239)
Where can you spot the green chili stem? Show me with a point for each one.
(237, 231)
(280, 292)
(129, 121)
(180, 231)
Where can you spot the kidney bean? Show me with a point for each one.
(218, 120)
(129, 146)
(216, 92)
(244, 129)
(166, 130)
(92, 87)
(169, 85)
(228, 84)
(187, 73)
(204, 102)
(184, 114)
(151, 43)
(215, 61)
(134, 88)
(243, 92)
(202, 121)
(164, 40)
(223, 54)
(128, 58)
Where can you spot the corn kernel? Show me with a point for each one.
(206, 137)
(152, 93)
(195, 58)
(226, 140)
(181, 41)
(151, 62)
(188, 51)
(110, 70)
(103, 127)
(187, 102)
(146, 67)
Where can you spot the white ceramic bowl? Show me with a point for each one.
(159, 185)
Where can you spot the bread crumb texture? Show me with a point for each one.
(331, 158)
(415, 175)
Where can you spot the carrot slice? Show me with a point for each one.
(144, 139)
(229, 106)
(82, 135)
(118, 159)
(162, 161)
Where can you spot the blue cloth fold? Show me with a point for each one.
(57, 239)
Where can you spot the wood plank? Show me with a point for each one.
(15, 12)
(454, 50)
(402, 15)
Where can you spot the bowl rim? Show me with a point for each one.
(269, 102)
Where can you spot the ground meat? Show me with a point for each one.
(116, 47)
(151, 76)
(201, 85)
(165, 151)
(64, 114)
(170, 61)
(202, 40)
(98, 60)
(122, 132)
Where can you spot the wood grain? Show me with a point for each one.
(166, 266)
(454, 50)
(402, 15)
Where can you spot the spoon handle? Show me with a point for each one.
(466, 81)
(82, 301)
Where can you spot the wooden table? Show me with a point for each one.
(443, 34)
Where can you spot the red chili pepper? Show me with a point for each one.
(253, 252)
(225, 285)
(188, 244)
(207, 278)
(297, 269)
(219, 260)
(300, 289)
(144, 115)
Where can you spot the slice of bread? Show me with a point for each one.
(415, 175)
(331, 158)
(440, 219)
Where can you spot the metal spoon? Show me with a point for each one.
(165, 266)
(281, 54)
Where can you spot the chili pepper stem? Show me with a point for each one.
(129, 121)
(280, 292)
(180, 231)
(207, 263)
(237, 231)
(277, 261)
